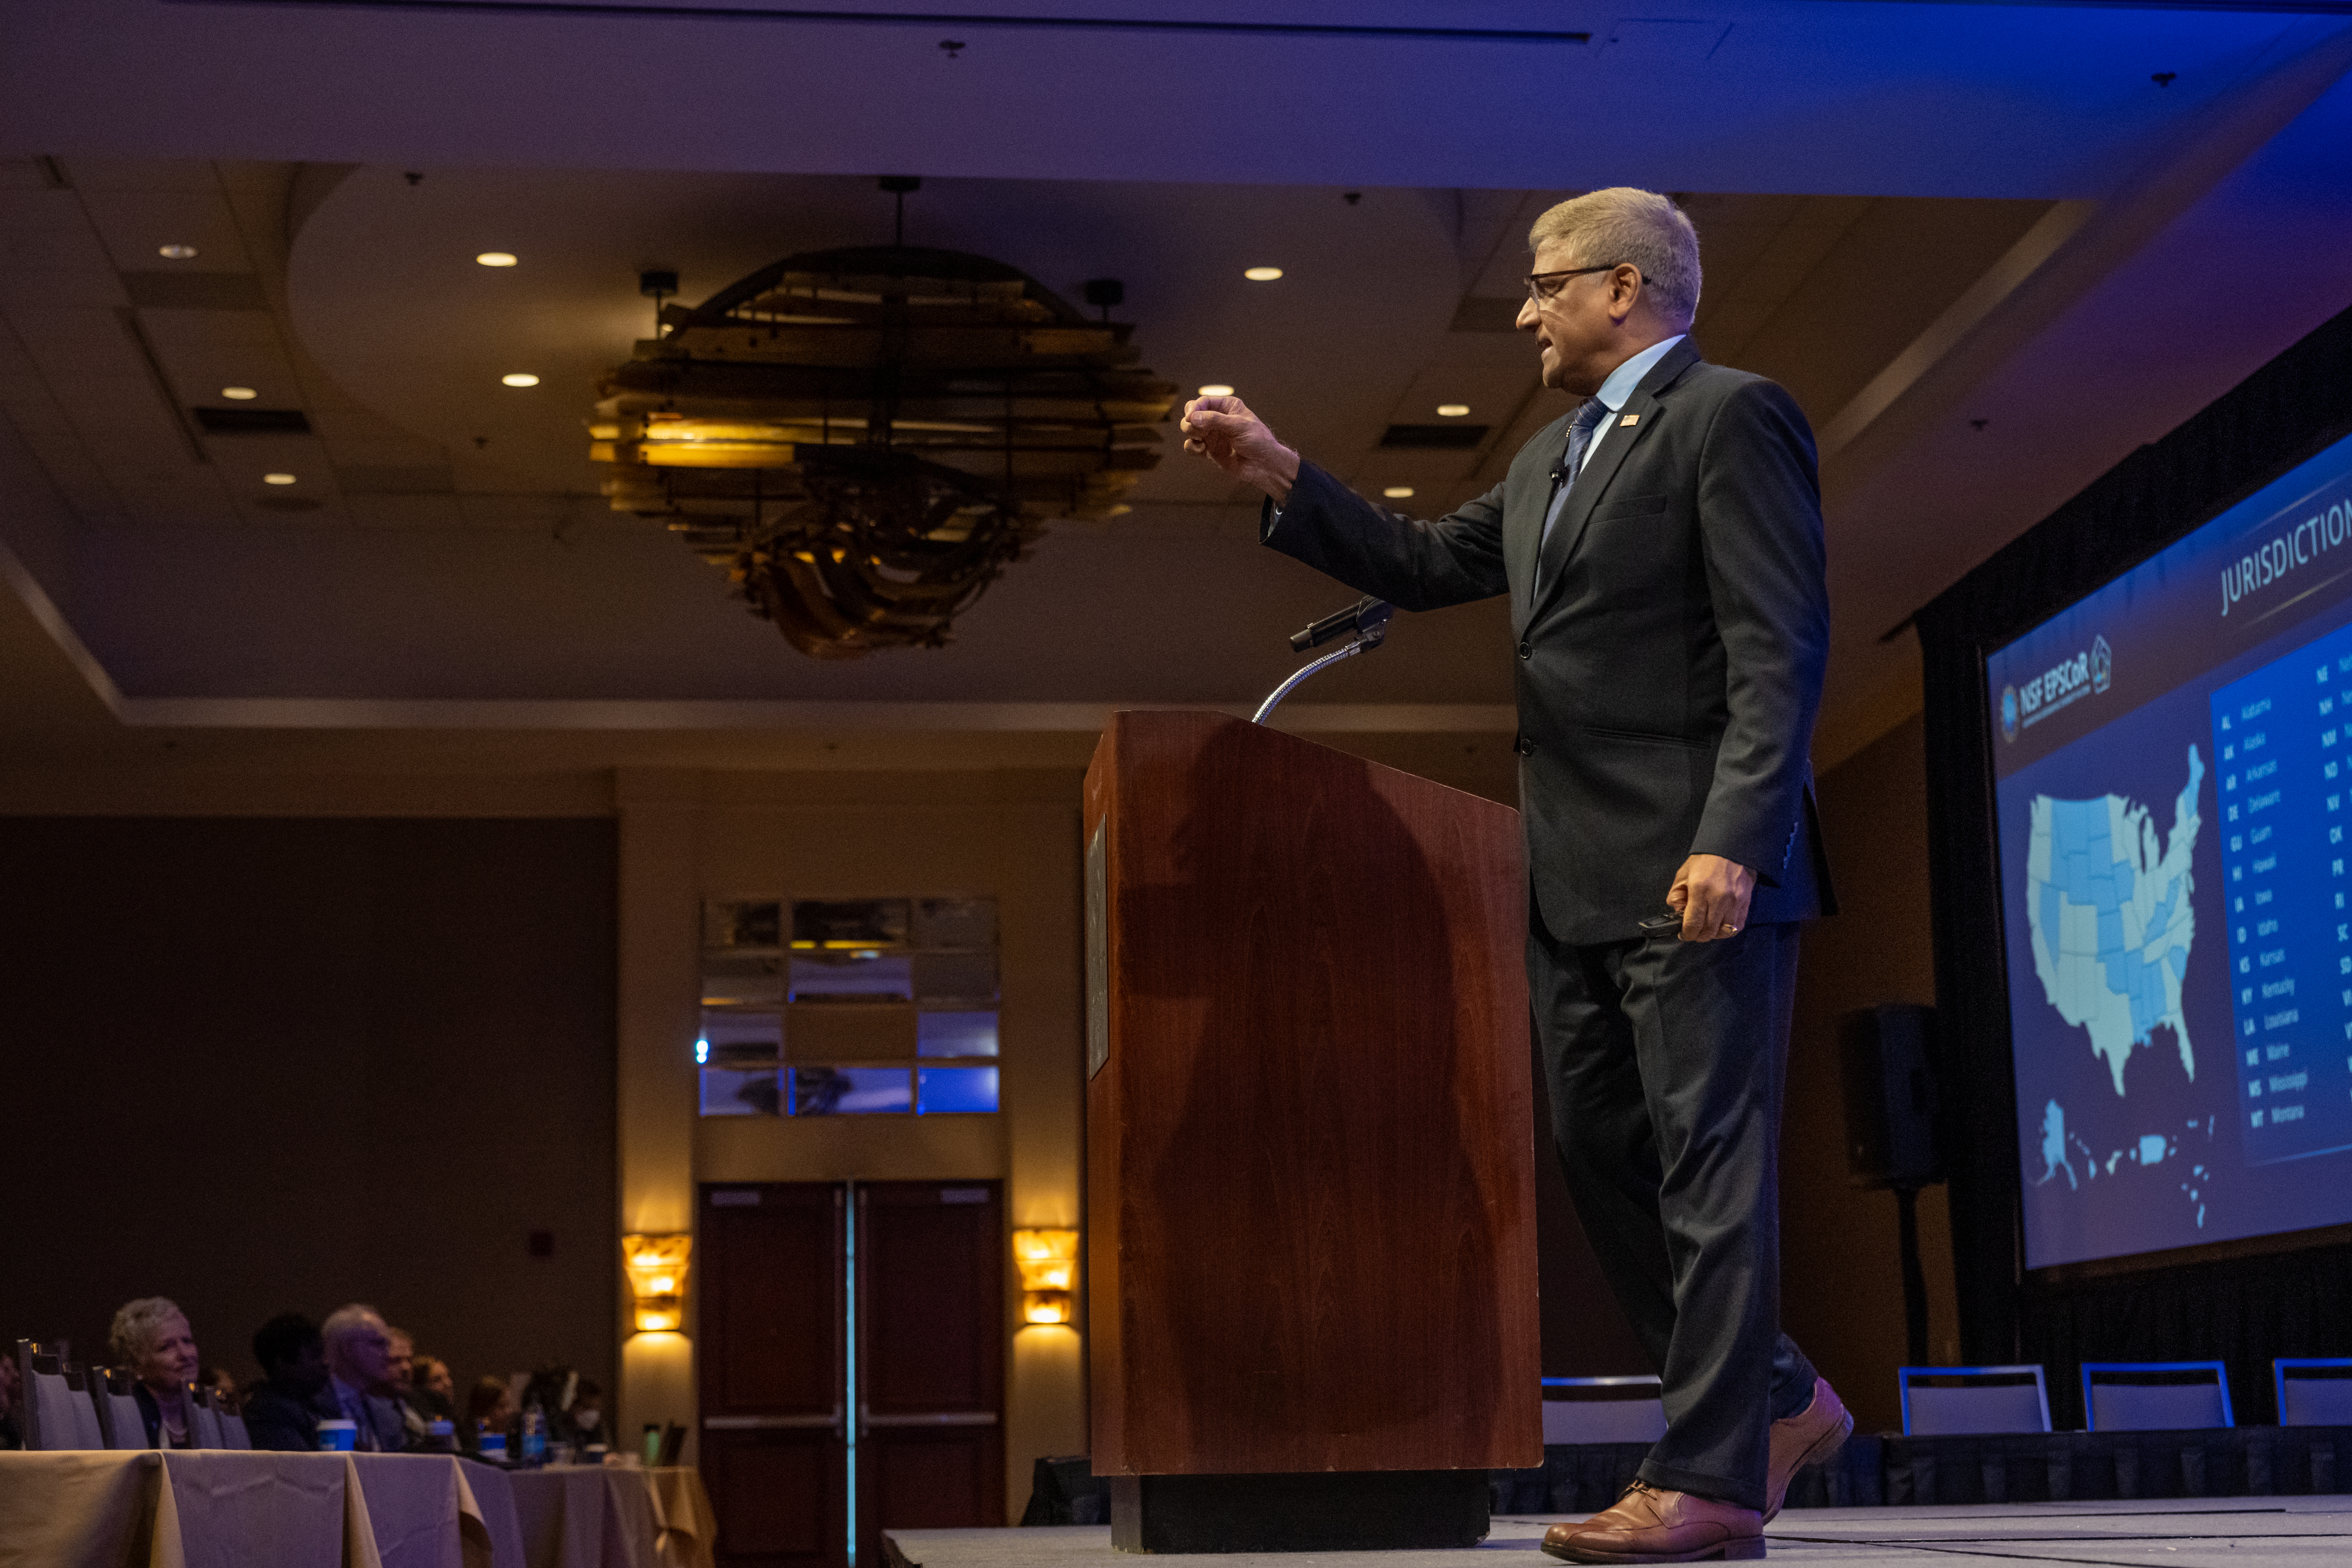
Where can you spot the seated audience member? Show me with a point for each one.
(399, 1384)
(489, 1405)
(280, 1412)
(226, 1396)
(151, 1338)
(433, 1391)
(584, 1422)
(358, 1357)
(11, 1436)
(549, 1388)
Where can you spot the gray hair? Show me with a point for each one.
(346, 1322)
(1621, 223)
(137, 1324)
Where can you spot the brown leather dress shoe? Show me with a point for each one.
(1649, 1524)
(1814, 1433)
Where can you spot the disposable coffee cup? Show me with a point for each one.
(337, 1436)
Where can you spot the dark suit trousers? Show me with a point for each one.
(1665, 1061)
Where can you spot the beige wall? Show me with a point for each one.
(1011, 834)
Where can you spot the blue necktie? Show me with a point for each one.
(1580, 441)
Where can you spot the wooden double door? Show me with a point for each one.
(851, 1357)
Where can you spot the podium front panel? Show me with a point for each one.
(1309, 1136)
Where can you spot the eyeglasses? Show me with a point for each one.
(1542, 286)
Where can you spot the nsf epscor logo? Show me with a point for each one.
(2068, 680)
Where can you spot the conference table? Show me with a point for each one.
(235, 1509)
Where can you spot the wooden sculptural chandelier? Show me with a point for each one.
(866, 438)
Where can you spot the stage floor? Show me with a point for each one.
(2196, 1532)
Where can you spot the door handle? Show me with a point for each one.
(867, 1420)
(769, 1423)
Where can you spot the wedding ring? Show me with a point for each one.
(1730, 929)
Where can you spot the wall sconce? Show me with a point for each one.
(1048, 1262)
(658, 1265)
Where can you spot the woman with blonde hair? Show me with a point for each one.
(152, 1339)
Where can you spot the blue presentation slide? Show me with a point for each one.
(2173, 766)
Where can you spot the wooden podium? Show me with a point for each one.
(1309, 1145)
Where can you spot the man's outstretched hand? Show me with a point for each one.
(1223, 430)
(1712, 894)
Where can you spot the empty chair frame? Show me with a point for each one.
(118, 1409)
(2154, 1396)
(204, 1421)
(232, 1427)
(1953, 1401)
(1603, 1410)
(2313, 1391)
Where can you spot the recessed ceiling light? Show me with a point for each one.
(176, 252)
(1262, 274)
(1452, 410)
(520, 378)
(1216, 389)
(277, 478)
(239, 394)
(1398, 492)
(496, 259)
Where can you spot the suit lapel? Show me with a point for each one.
(1618, 440)
(1523, 516)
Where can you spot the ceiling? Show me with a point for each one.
(1987, 252)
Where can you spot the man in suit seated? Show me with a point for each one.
(280, 1410)
(359, 1378)
(1662, 549)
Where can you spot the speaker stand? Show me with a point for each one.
(1914, 1278)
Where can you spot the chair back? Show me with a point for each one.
(1603, 1410)
(29, 1393)
(2313, 1391)
(204, 1421)
(232, 1427)
(1953, 1401)
(2154, 1396)
(118, 1409)
(51, 1419)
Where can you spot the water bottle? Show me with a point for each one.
(534, 1436)
(488, 1444)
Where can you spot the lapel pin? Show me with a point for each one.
(1629, 419)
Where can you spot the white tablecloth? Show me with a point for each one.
(139, 1509)
(205, 1508)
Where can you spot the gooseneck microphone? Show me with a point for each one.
(1367, 617)
(1365, 623)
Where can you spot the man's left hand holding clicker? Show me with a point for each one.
(1712, 894)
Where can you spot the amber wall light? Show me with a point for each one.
(658, 1265)
(1048, 1262)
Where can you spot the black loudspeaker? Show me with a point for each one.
(1888, 1057)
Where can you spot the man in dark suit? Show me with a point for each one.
(1662, 547)
(279, 1412)
(359, 1378)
